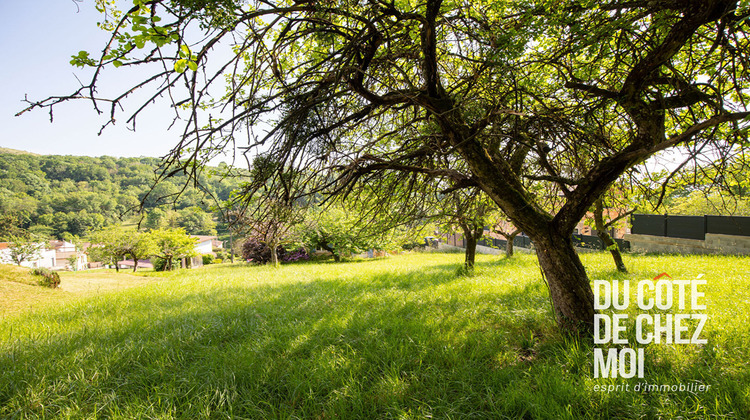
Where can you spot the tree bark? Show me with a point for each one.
(273, 244)
(601, 232)
(231, 246)
(509, 238)
(471, 237)
(572, 298)
(336, 257)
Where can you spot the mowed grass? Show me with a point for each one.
(401, 337)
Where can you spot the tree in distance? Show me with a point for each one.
(484, 94)
(171, 245)
(114, 243)
(469, 210)
(23, 248)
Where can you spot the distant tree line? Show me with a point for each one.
(74, 196)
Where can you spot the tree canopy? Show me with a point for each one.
(54, 196)
(498, 95)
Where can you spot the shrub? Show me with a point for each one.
(298, 255)
(49, 278)
(416, 246)
(256, 251)
(160, 264)
(207, 259)
(218, 261)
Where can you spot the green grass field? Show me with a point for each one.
(401, 337)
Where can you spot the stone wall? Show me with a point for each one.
(713, 244)
(481, 249)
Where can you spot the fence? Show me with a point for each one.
(520, 241)
(689, 227)
(593, 242)
(582, 241)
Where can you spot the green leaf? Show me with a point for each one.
(82, 59)
(180, 65)
(117, 63)
(192, 65)
(184, 51)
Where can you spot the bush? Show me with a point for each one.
(207, 259)
(49, 278)
(256, 251)
(413, 246)
(221, 254)
(218, 261)
(160, 264)
(298, 255)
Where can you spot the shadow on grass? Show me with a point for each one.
(417, 343)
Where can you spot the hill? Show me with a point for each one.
(57, 196)
(5, 150)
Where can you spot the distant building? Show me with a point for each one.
(205, 244)
(64, 251)
(128, 264)
(46, 258)
(54, 255)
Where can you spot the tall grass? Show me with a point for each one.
(402, 337)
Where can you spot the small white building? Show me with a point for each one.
(65, 252)
(206, 244)
(45, 258)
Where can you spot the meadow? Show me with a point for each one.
(405, 337)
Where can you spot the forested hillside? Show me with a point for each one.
(59, 196)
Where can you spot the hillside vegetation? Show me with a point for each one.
(55, 196)
(403, 337)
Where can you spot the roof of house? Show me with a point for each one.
(141, 263)
(204, 238)
(4, 245)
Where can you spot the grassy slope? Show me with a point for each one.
(402, 337)
(20, 292)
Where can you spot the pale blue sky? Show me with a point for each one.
(38, 38)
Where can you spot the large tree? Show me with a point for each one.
(490, 94)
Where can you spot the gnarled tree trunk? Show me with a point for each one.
(509, 238)
(336, 256)
(569, 288)
(135, 263)
(472, 234)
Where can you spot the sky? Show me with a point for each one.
(38, 38)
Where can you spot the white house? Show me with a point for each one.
(45, 258)
(64, 251)
(206, 244)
